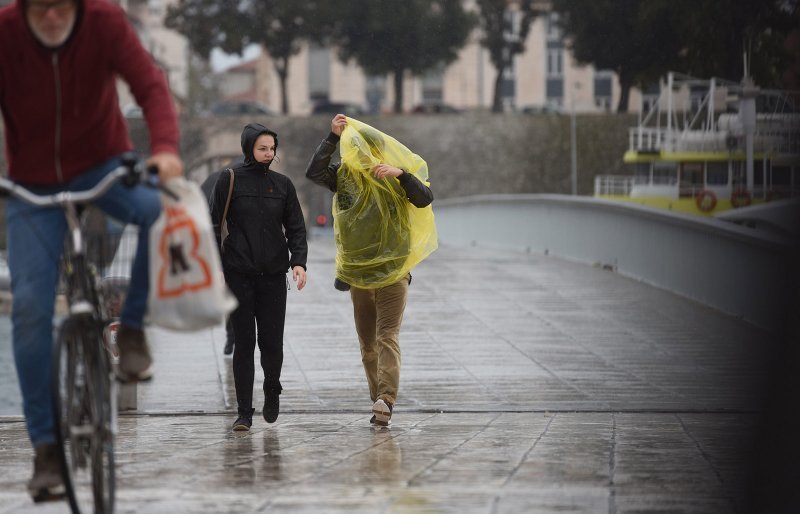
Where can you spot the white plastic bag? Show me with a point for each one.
(187, 286)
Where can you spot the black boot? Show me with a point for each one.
(272, 405)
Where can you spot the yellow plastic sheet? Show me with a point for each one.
(380, 236)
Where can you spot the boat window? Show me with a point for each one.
(758, 173)
(641, 173)
(781, 176)
(739, 175)
(665, 173)
(691, 178)
(717, 173)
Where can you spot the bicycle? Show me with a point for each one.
(84, 387)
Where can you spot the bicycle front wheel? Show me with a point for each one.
(84, 416)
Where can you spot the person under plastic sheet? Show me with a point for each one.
(383, 227)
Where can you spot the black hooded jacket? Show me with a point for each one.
(265, 222)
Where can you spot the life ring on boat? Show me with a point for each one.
(775, 195)
(740, 198)
(706, 200)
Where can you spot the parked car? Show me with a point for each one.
(348, 109)
(541, 109)
(435, 108)
(240, 108)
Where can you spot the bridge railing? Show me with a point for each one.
(738, 270)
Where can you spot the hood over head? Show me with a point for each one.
(250, 133)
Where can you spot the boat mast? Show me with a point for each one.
(669, 103)
(747, 111)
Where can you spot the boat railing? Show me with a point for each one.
(659, 180)
(646, 139)
(613, 184)
(624, 185)
(777, 140)
(776, 192)
(768, 139)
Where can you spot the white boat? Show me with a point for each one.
(706, 146)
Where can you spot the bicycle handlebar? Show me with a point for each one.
(128, 172)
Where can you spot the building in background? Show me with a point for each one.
(543, 78)
(169, 48)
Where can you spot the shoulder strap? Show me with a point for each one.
(224, 221)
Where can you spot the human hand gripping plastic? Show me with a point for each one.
(338, 123)
(386, 170)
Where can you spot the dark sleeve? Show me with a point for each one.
(219, 196)
(208, 186)
(295, 227)
(320, 170)
(418, 193)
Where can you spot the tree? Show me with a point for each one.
(636, 39)
(641, 40)
(718, 33)
(503, 37)
(201, 87)
(387, 36)
(206, 24)
(278, 26)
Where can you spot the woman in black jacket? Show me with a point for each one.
(266, 237)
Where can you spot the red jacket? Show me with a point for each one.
(60, 107)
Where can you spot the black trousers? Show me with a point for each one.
(261, 311)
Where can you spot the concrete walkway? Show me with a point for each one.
(530, 384)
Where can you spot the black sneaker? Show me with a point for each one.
(243, 422)
(382, 412)
(47, 483)
(228, 347)
(272, 405)
(135, 363)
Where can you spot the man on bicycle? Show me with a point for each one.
(59, 61)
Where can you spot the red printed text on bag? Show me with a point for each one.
(182, 268)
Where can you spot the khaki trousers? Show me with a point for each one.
(378, 314)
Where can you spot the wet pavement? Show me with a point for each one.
(530, 384)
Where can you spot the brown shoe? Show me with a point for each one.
(135, 363)
(47, 483)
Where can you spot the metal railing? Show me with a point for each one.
(613, 184)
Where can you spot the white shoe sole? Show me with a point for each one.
(383, 415)
(48, 494)
(142, 376)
